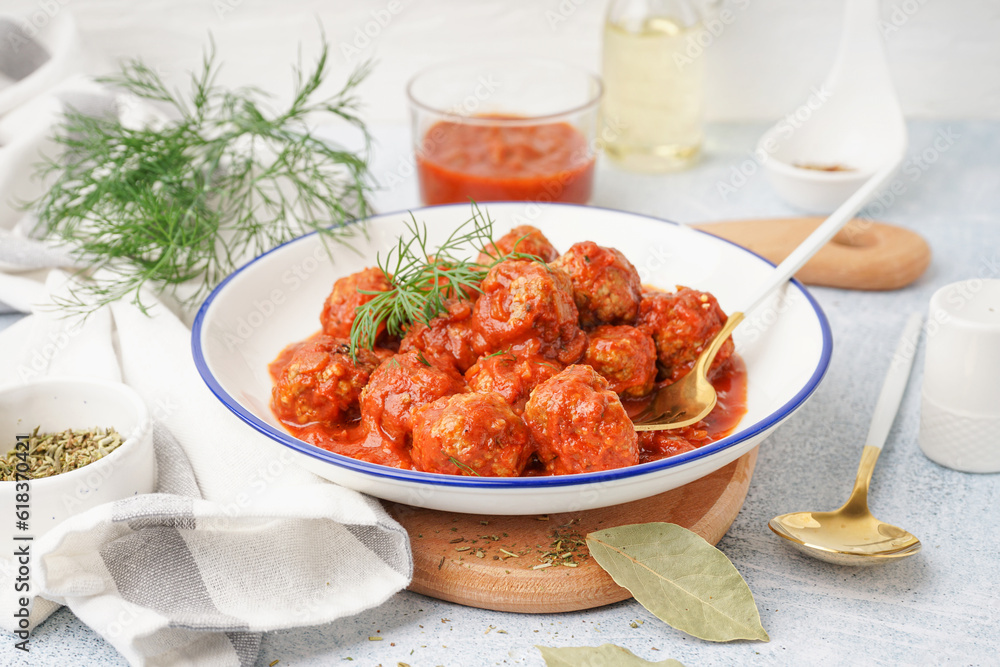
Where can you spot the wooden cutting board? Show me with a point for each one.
(865, 255)
(464, 558)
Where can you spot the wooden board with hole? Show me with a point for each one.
(864, 255)
(493, 562)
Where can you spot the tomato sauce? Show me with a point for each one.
(546, 162)
(349, 438)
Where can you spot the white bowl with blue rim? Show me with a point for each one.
(276, 299)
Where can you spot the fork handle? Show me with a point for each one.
(705, 360)
(895, 383)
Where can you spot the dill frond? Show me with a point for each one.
(423, 279)
(182, 202)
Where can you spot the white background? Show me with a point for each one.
(944, 54)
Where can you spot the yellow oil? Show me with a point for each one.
(652, 112)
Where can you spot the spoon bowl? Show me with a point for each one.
(845, 537)
(851, 535)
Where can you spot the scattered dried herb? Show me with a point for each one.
(55, 453)
(606, 654)
(682, 579)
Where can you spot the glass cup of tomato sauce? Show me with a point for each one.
(513, 129)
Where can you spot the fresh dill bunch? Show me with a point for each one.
(176, 205)
(424, 279)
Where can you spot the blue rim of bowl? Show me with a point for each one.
(517, 483)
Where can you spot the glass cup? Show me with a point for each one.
(960, 403)
(512, 129)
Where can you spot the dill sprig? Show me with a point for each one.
(423, 279)
(180, 203)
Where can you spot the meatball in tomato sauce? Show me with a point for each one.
(579, 424)
(397, 388)
(448, 341)
(682, 323)
(321, 382)
(339, 310)
(513, 376)
(525, 239)
(606, 287)
(529, 305)
(625, 357)
(470, 434)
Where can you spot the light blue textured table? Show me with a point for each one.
(940, 607)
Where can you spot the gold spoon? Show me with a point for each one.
(691, 398)
(851, 535)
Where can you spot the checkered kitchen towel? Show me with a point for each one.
(238, 540)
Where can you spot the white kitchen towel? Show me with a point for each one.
(43, 67)
(237, 540)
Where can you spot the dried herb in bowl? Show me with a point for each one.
(55, 453)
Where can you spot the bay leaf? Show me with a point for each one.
(592, 656)
(682, 579)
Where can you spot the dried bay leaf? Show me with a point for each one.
(606, 654)
(682, 579)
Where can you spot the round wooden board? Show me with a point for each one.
(447, 546)
(864, 255)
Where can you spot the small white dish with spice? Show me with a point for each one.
(72, 408)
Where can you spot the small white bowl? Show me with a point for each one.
(812, 190)
(60, 403)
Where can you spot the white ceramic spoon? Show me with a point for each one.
(853, 120)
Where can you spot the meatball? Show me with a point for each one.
(682, 324)
(339, 310)
(470, 434)
(526, 239)
(449, 341)
(528, 304)
(321, 382)
(512, 376)
(625, 357)
(397, 388)
(579, 425)
(606, 286)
